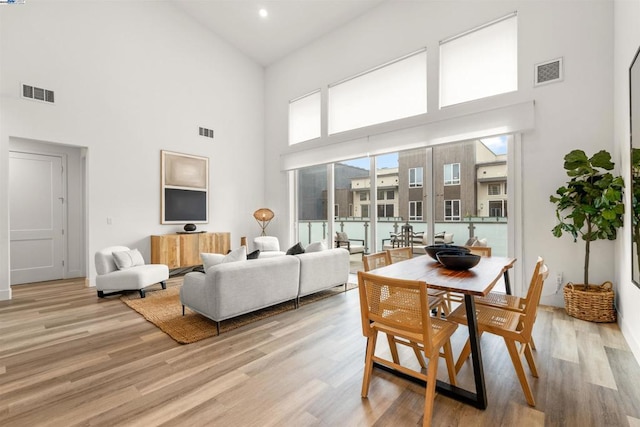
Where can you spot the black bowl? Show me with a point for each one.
(457, 260)
(434, 249)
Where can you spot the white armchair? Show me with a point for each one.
(121, 269)
(268, 245)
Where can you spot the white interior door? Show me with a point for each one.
(36, 217)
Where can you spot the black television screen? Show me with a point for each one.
(185, 205)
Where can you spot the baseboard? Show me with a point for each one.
(628, 333)
(5, 294)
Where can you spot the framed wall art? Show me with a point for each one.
(184, 188)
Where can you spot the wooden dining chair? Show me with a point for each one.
(513, 326)
(400, 308)
(512, 302)
(377, 260)
(381, 259)
(400, 254)
(405, 253)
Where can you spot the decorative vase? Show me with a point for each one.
(190, 227)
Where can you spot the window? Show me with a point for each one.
(498, 208)
(415, 177)
(363, 196)
(380, 194)
(365, 211)
(415, 211)
(389, 92)
(385, 211)
(479, 63)
(494, 190)
(452, 210)
(304, 118)
(336, 210)
(452, 174)
(391, 195)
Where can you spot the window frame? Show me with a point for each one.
(415, 182)
(413, 208)
(452, 217)
(451, 180)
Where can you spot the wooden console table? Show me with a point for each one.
(180, 250)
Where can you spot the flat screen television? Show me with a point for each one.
(185, 206)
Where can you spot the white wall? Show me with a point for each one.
(627, 42)
(576, 113)
(132, 78)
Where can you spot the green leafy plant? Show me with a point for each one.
(590, 205)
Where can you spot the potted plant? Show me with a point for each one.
(589, 205)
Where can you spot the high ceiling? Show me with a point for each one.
(290, 24)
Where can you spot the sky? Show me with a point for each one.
(497, 144)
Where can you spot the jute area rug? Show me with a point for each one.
(163, 309)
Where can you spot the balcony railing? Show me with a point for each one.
(494, 229)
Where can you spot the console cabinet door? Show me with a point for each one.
(183, 250)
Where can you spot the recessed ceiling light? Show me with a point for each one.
(263, 13)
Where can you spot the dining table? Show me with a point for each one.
(476, 281)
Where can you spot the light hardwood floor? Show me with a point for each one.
(68, 358)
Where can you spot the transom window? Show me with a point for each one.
(304, 118)
(452, 174)
(392, 91)
(415, 177)
(494, 189)
(479, 63)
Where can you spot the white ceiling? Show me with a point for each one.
(291, 24)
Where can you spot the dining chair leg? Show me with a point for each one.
(394, 348)
(530, 360)
(517, 364)
(464, 355)
(532, 344)
(418, 354)
(448, 357)
(430, 393)
(368, 364)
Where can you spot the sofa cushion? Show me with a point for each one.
(209, 260)
(295, 249)
(316, 247)
(254, 255)
(239, 254)
(480, 242)
(127, 259)
(341, 236)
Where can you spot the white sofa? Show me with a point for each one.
(235, 288)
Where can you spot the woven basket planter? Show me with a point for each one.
(594, 304)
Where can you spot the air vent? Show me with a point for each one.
(38, 94)
(206, 132)
(549, 72)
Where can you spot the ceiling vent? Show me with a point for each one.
(38, 94)
(549, 72)
(206, 132)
